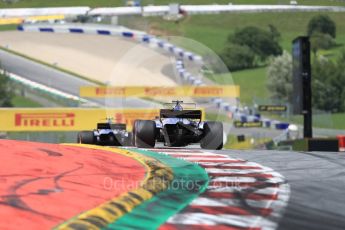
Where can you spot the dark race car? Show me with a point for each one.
(177, 127)
(108, 134)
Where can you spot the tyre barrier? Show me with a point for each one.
(120, 31)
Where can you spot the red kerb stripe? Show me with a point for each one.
(230, 210)
(255, 175)
(203, 227)
(230, 195)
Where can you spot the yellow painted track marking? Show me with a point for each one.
(157, 179)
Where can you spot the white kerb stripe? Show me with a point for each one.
(245, 180)
(264, 191)
(216, 164)
(234, 220)
(215, 202)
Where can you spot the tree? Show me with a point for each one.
(321, 41)
(279, 78)
(5, 91)
(275, 34)
(322, 24)
(263, 43)
(238, 57)
(339, 81)
(326, 96)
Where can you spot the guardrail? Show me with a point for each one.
(164, 9)
(26, 12)
(112, 31)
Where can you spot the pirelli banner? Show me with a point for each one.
(19, 20)
(180, 91)
(68, 119)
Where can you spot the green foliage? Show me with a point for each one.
(238, 57)
(328, 84)
(5, 91)
(328, 79)
(322, 24)
(275, 34)
(279, 78)
(321, 41)
(263, 43)
(249, 46)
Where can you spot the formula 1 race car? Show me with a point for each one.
(108, 133)
(177, 127)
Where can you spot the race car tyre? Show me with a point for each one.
(86, 137)
(213, 136)
(129, 140)
(144, 134)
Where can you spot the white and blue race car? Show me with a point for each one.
(177, 127)
(107, 134)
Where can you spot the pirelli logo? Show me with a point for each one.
(160, 91)
(67, 119)
(110, 91)
(209, 91)
(178, 91)
(44, 120)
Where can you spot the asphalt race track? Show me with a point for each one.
(45, 185)
(317, 183)
(56, 79)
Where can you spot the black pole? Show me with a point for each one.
(307, 94)
(308, 116)
(302, 95)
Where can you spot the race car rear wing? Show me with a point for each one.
(111, 126)
(188, 114)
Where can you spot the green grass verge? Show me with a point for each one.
(213, 30)
(234, 144)
(217, 117)
(327, 121)
(252, 83)
(52, 66)
(8, 27)
(22, 102)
